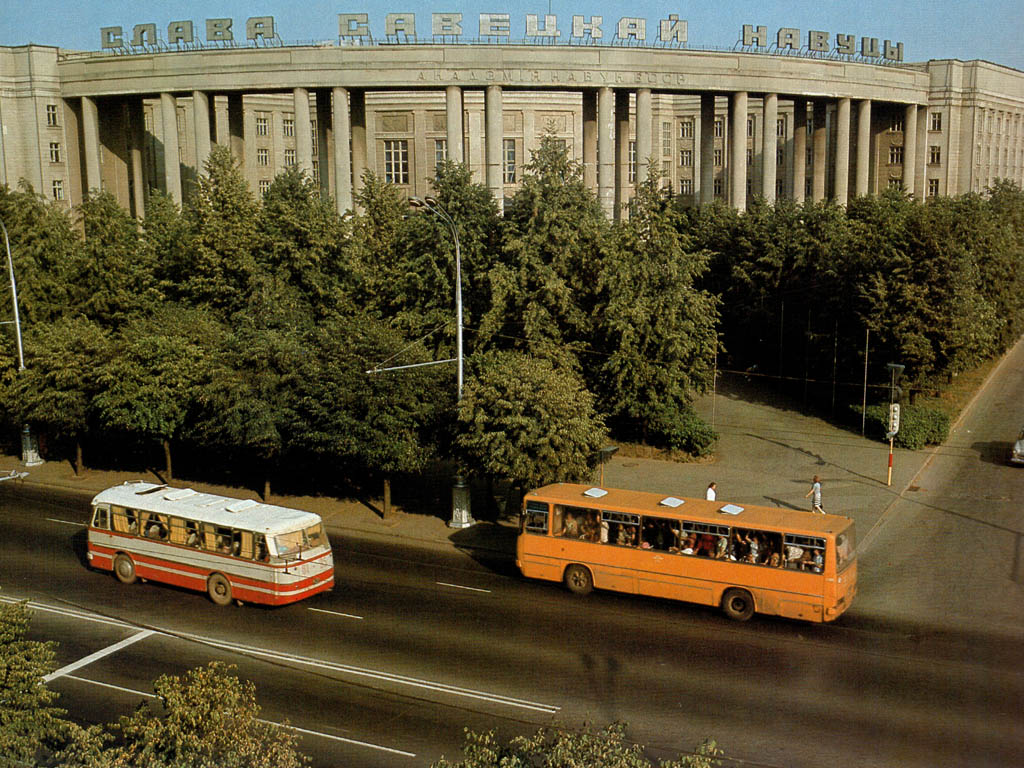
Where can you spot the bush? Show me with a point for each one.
(680, 429)
(918, 426)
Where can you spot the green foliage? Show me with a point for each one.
(919, 426)
(209, 718)
(526, 419)
(29, 723)
(681, 429)
(560, 748)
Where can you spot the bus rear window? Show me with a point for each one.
(845, 548)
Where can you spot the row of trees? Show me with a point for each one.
(245, 328)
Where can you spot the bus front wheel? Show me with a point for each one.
(738, 604)
(219, 589)
(578, 580)
(124, 569)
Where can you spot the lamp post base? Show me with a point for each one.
(461, 517)
(29, 449)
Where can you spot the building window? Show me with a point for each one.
(316, 171)
(632, 162)
(750, 127)
(750, 157)
(686, 186)
(895, 155)
(933, 187)
(780, 189)
(288, 126)
(895, 184)
(262, 124)
(936, 121)
(719, 128)
(666, 139)
(262, 156)
(51, 115)
(508, 154)
(314, 137)
(686, 157)
(780, 127)
(718, 158)
(686, 129)
(396, 161)
(934, 155)
(440, 152)
(264, 186)
(896, 126)
(58, 189)
(54, 152)
(780, 156)
(289, 158)
(718, 187)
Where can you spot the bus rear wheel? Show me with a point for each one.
(124, 569)
(578, 580)
(219, 589)
(738, 604)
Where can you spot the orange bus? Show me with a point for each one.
(743, 558)
(234, 549)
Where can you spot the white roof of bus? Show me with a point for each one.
(208, 507)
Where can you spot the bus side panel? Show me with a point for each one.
(535, 559)
(98, 550)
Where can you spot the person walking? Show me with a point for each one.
(816, 491)
(712, 492)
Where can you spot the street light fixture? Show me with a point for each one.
(29, 450)
(461, 517)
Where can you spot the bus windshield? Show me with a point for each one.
(295, 541)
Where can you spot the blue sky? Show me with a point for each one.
(983, 29)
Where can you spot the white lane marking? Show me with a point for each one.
(71, 613)
(460, 586)
(99, 655)
(430, 685)
(366, 744)
(357, 671)
(66, 522)
(336, 613)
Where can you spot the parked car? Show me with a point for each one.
(1017, 451)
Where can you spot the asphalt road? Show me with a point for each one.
(415, 644)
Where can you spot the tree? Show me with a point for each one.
(656, 331)
(209, 718)
(525, 419)
(561, 748)
(29, 722)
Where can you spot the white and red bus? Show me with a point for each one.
(234, 549)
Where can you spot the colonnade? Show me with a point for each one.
(606, 117)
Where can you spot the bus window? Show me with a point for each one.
(705, 540)
(535, 517)
(217, 538)
(844, 548)
(156, 526)
(804, 553)
(314, 536)
(576, 522)
(659, 533)
(261, 548)
(620, 528)
(123, 520)
(757, 547)
(100, 518)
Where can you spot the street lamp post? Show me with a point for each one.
(461, 517)
(896, 370)
(29, 450)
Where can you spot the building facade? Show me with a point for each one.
(726, 125)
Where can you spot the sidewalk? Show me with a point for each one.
(767, 454)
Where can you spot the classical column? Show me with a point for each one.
(622, 185)
(738, 150)
(606, 150)
(357, 115)
(707, 148)
(769, 146)
(909, 148)
(453, 112)
(201, 124)
(819, 148)
(172, 156)
(303, 131)
(494, 127)
(644, 129)
(921, 160)
(863, 147)
(799, 150)
(91, 141)
(342, 129)
(137, 142)
(590, 139)
(842, 181)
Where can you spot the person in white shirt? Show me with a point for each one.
(712, 492)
